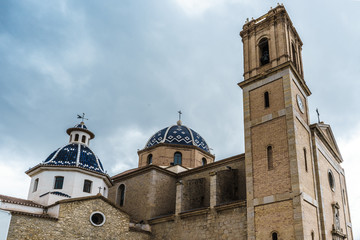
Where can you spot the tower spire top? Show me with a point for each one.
(82, 117)
(179, 121)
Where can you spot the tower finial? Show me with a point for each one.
(82, 117)
(179, 121)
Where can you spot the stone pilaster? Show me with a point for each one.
(179, 193)
(213, 190)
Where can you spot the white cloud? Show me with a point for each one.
(14, 182)
(120, 142)
(50, 70)
(198, 7)
(58, 61)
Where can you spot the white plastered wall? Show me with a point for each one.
(73, 185)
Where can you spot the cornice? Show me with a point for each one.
(161, 219)
(315, 128)
(195, 212)
(274, 70)
(41, 167)
(209, 166)
(230, 205)
(140, 171)
(278, 13)
(174, 146)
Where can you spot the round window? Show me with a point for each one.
(97, 219)
(331, 180)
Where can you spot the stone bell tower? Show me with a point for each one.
(280, 182)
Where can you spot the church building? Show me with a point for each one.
(289, 183)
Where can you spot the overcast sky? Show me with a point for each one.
(130, 65)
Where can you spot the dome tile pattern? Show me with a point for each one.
(75, 154)
(178, 134)
(89, 160)
(80, 125)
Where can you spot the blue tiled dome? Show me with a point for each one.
(75, 154)
(80, 125)
(178, 134)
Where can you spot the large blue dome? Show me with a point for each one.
(178, 134)
(75, 154)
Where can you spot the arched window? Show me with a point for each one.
(83, 139)
(59, 181)
(121, 195)
(36, 183)
(312, 235)
(331, 180)
(305, 159)
(76, 137)
(204, 162)
(270, 157)
(274, 236)
(177, 158)
(149, 159)
(87, 186)
(266, 100)
(264, 51)
(294, 55)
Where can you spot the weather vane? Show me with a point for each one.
(318, 115)
(82, 117)
(179, 115)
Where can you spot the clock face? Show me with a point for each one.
(300, 103)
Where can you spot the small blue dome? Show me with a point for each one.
(178, 134)
(75, 154)
(80, 125)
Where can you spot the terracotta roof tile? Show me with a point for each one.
(33, 215)
(20, 201)
(126, 172)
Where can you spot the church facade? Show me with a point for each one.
(289, 183)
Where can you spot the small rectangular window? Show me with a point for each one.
(87, 186)
(59, 181)
(306, 165)
(36, 183)
(270, 157)
(266, 100)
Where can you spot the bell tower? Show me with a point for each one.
(280, 182)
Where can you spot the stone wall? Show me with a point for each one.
(227, 186)
(275, 217)
(230, 174)
(331, 196)
(276, 99)
(147, 194)
(196, 193)
(164, 190)
(228, 223)
(306, 170)
(163, 155)
(277, 179)
(74, 223)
